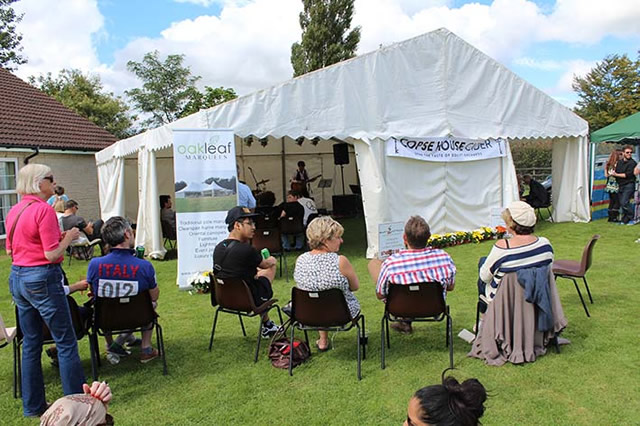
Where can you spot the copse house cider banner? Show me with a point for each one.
(446, 149)
(204, 164)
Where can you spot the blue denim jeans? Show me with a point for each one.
(625, 193)
(38, 294)
(286, 241)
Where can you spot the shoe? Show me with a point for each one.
(631, 222)
(322, 349)
(269, 328)
(146, 357)
(133, 341)
(118, 350)
(52, 353)
(402, 327)
(638, 240)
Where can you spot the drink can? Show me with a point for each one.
(265, 253)
(113, 358)
(140, 252)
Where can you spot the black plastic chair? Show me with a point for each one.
(422, 302)
(325, 310)
(169, 234)
(124, 315)
(232, 296)
(292, 225)
(269, 238)
(571, 269)
(80, 327)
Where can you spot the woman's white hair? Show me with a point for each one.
(29, 178)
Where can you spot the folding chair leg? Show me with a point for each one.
(160, 339)
(16, 376)
(255, 359)
(359, 355)
(587, 287)
(387, 329)
(584, 305)
(364, 340)
(213, 330)
(382, 337)
(244, 333)
(293, 329)
(94, 356)
(450, 338)
(306, 337)
(549, 211)
(279, 314)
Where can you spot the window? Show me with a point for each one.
(8, 194)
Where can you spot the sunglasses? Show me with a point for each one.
(49, 178)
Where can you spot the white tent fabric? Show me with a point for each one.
(433, 85)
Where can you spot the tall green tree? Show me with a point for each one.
(212, 96)
(10, 39)
(85, 95)
(609, 92)
(167, 87)
(326, 38)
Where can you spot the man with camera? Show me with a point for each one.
(70, 220)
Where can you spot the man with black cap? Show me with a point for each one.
(236, 258)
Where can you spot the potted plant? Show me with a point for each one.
(201, 281)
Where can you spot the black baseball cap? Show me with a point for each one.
(237, 213)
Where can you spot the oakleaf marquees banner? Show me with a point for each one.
(205, 187)
(446, 149)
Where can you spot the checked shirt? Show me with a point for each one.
(413, 266)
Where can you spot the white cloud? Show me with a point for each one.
(59, 34)
(573, 68)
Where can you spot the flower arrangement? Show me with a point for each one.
(200, 281)
(464, 237)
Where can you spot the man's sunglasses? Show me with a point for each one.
(49, 178)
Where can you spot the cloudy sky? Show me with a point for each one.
(246, 44)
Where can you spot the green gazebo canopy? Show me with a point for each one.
(626, 130)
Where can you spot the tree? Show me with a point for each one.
(609, 92)
(9, 38)
(211, 97)
(85, 95)
(167, 87)
(325, 40)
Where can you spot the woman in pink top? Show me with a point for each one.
(36, 247)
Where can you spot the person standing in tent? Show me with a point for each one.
(300, 180)
(626, 183)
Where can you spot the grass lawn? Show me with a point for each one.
(595, 380)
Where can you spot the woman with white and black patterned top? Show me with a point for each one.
(323, 268)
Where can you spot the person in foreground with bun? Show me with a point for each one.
(87, 409)
(448, 404)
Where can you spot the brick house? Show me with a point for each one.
(34, 125)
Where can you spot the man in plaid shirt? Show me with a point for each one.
(417, 264)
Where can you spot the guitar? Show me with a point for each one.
(300, 186)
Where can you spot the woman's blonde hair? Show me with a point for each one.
(321, 229)
(29, 178)
(58, 206)
(516, 227)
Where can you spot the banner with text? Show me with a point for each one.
(204, 164)
(446, 149)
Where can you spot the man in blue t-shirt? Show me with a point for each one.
(122, 274)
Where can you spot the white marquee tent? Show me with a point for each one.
(433, 85)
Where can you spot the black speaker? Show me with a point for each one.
(341, 154)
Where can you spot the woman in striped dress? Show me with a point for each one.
(522, 250)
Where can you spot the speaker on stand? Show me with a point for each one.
(340, 158)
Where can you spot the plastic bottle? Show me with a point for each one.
(265, 253)
(113, 358)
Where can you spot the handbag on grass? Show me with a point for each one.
(612, 185)
(280, 348)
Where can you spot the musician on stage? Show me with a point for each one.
(300, 180)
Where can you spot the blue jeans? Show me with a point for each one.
(38, 294)
(625, 193)
(286, 242)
